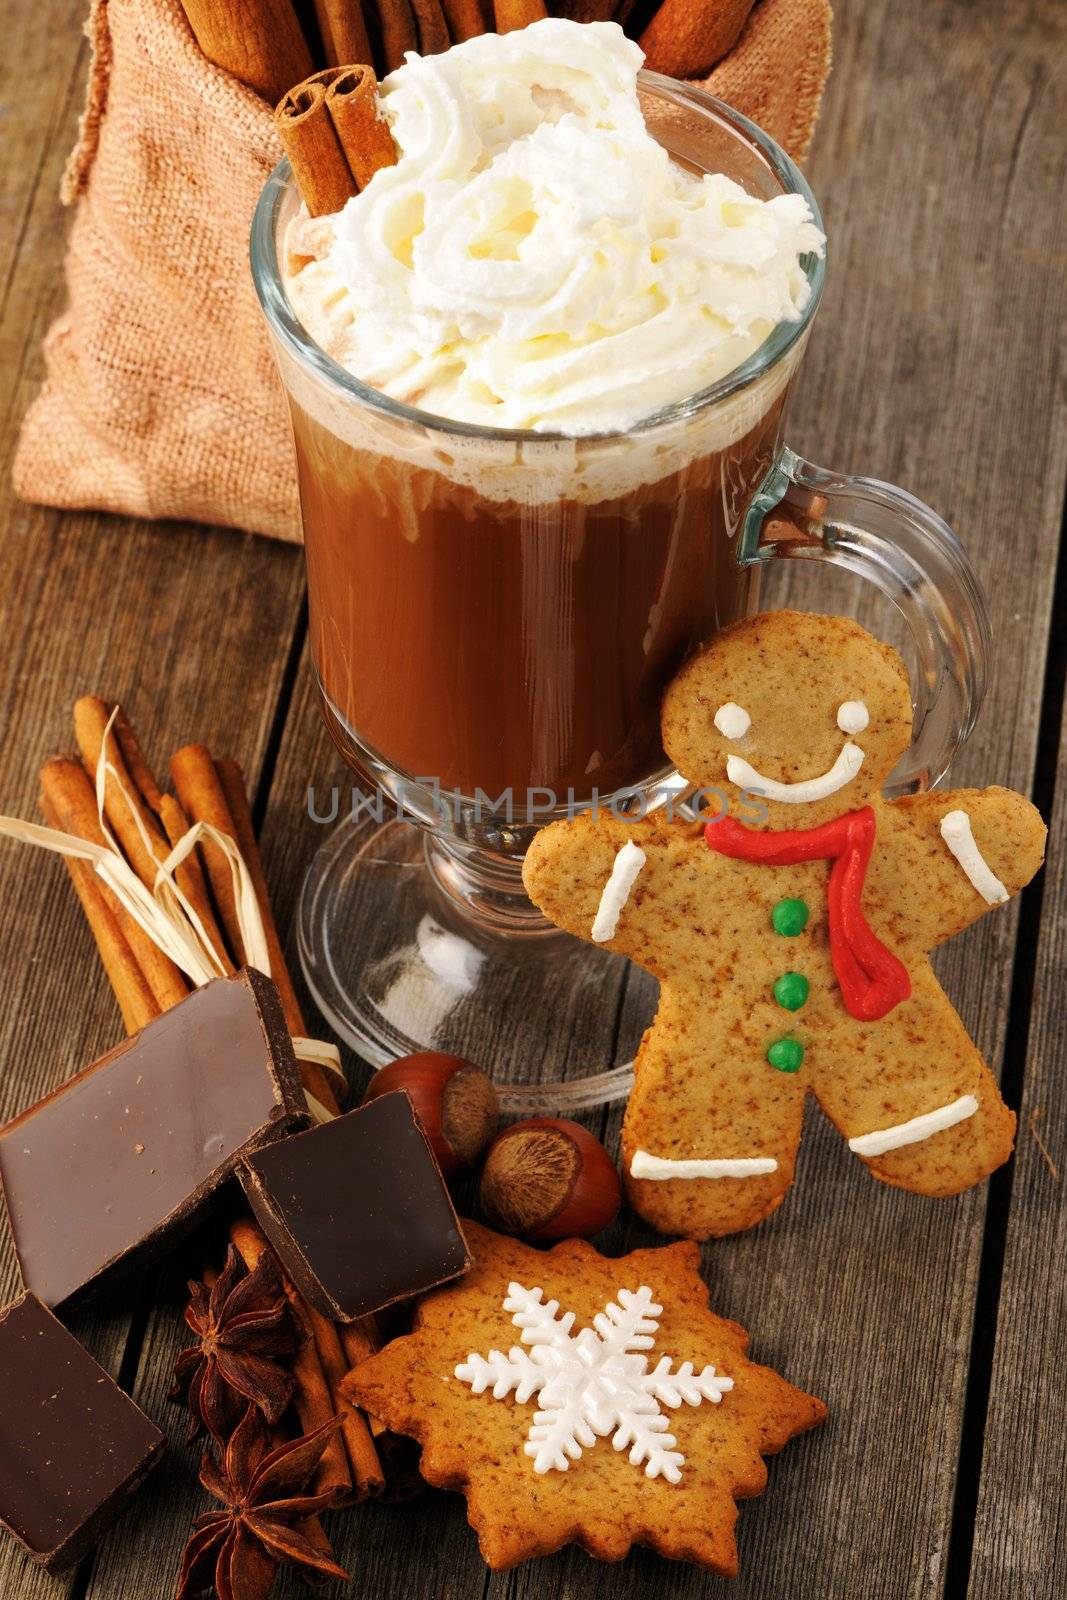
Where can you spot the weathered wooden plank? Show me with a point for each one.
(1019, 1544)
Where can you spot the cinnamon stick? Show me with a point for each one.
(135, 807)
(513, 14)
(238, 824)
(685, 38)
(191, 880)
(311, 142)
(312, 1398)
(432, 27)
(138, 831)
(399, 35)
(68, 791)
(234, 792)
(359, 1341)
(132, 754)
(587, 10)
(465, 19)
(363, 133)
(135, 1000)
(257, 41)
(202, 800)
(363, 1462)
(343, 31)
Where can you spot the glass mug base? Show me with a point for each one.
(407, 945)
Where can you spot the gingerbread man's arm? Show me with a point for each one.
(992, 845)
(569, 865)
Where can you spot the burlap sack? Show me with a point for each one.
(160, 397)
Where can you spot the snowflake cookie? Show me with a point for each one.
(791, 930)
(576, 1398)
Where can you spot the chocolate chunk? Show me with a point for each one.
(114, 1164)
(73, 1447)
(357, 1210)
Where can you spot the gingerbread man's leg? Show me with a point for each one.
(913, 1096)
(707, 1149)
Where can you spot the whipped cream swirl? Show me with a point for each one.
(535, 259)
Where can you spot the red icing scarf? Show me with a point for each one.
(872, 980)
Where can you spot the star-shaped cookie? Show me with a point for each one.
(575, 1397)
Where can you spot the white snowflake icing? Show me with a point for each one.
(593, 1383)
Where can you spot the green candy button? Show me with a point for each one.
(791, 990)
(785, 1055)
(789, 918)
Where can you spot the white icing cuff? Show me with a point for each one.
(915, 1131)
(957, 834)
(844, 769)
(644, 1165)
(627, 864)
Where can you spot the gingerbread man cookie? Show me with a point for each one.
(791, 935)
(576, 1398)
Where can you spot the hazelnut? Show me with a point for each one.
(453, 1099)
(548, 1178)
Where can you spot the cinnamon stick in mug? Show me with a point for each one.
(686, 37)
(257, 41)
(311, 142)
(352, 101)
(513, 14)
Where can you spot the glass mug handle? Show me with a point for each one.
(883, 534)
(887, 536)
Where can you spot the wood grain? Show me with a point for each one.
(937, 363)
(1018, 1531)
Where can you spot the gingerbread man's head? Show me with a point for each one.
(808, 711)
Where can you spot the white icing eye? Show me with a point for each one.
(732, 721)
(852, 716)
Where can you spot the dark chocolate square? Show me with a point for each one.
(113, 1165)
(357, 1210)
(73, 1446)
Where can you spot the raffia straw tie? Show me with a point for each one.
(164, 912)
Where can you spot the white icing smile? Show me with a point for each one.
(844, 769)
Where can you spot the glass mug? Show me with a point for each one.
(495, 614)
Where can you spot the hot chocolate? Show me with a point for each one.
(500, 611)
(508, 644)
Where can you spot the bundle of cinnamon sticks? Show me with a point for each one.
(262, 42)
(146, 823)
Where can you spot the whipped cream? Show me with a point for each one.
(535, 260)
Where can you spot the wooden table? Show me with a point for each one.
(933, 1330)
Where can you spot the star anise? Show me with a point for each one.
(242, 1324)
(262, 1490)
